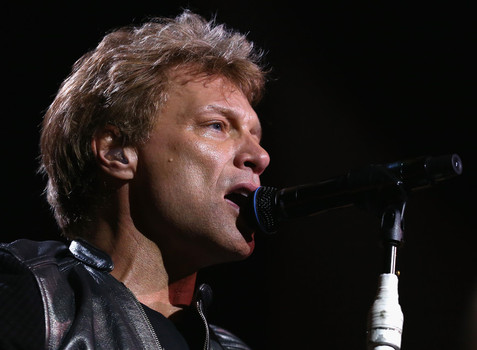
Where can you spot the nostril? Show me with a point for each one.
(252, 156)
(250, 165)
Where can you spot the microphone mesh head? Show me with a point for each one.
(264, 209)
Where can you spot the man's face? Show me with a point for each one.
(202, 158)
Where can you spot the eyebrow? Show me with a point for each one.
(231, 112)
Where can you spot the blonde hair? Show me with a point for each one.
(123, 82)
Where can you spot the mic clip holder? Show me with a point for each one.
(388, 202)
(392, 234)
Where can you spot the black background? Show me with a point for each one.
(352, 84)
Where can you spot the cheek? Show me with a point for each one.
(203, 159)
(210, 153)
(186, 164)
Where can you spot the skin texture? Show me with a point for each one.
(177, 204)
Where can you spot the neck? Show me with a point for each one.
(138, 263)
(172, 299)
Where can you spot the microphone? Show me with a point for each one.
(269, 206)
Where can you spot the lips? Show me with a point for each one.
(239, 194)
(238, 199)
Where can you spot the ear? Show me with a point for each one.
(114, 158)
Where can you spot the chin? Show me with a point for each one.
(234, 241)
(239, 248)
(246, 246)
(243, 252)
(251, 246)
(248, 236)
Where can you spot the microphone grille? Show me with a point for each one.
(264, 209)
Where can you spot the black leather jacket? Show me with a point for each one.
(87, 308)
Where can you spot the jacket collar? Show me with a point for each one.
(91, 256)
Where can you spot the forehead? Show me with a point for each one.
(194, 75)
(209, 94)
(202, 83)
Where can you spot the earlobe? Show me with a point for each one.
(113, 158)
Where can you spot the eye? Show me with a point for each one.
(217, 126)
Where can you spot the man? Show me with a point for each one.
(150, 147)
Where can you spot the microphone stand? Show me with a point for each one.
(385, 317)
(379, 188)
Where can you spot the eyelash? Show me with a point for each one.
(218, 125)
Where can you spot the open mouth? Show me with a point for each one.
(237, 198)
(241, 199)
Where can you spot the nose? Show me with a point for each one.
(253, 156)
